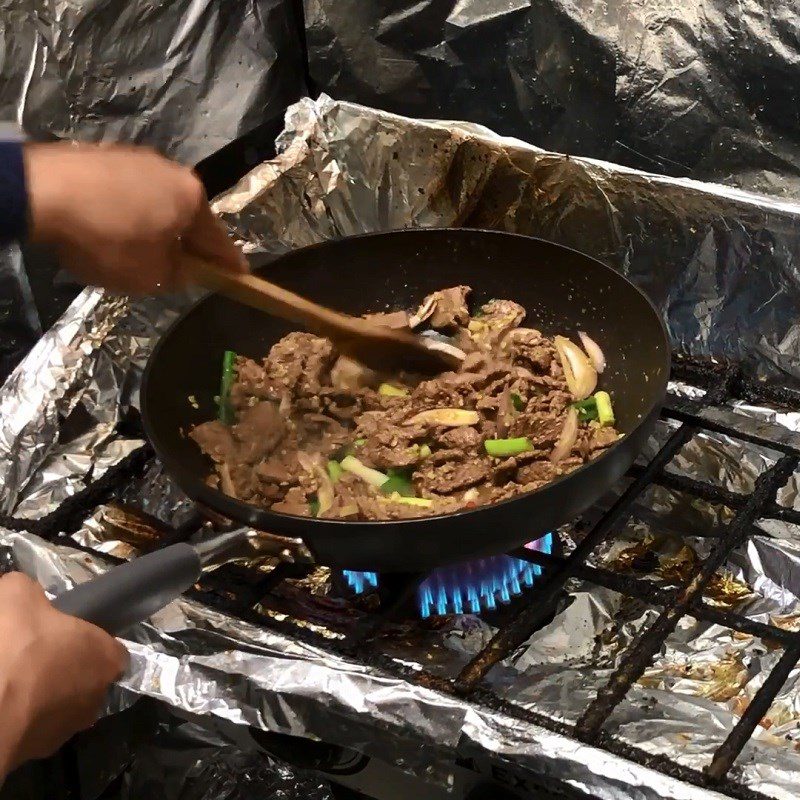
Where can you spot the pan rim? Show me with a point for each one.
(198, 490)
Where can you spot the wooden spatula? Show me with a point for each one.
(381, 348)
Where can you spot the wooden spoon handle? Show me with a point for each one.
(266, 296)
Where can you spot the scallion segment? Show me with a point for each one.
(334, 470)
(605, 411)
(517, 402)
(313, 507)
(398, 483)
(587, 409)
(371, 476)
(225, 409)
(503, 448)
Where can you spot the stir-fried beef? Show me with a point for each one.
(317, 434)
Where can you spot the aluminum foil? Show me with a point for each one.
(691, 88)
(185, 77)
(710, 257)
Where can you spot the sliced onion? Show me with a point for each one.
(348, 510)
(593, 351)
(445, 347)
(324, 491)
(569, 433)
(446, 417)
(424, 312)
(580, 374)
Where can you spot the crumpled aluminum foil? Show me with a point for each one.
(186, 77)
(698, 250)
(691, 88)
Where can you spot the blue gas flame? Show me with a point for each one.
(469, 587)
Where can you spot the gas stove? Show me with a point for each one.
(370, 618)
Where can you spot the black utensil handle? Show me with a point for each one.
(132, 592)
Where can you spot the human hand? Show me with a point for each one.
(54, 672)
(120, 215)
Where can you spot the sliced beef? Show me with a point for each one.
(463, 438)
(527, 347)
(251, 382)
(445, 309)
(538, 472)
(496, 318)
(299, 363)
(450, 477)
(258, 431)
(294, 502)
(215, 440)
(542, 428)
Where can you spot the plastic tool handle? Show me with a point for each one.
(132, 592)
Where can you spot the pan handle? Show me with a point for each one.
(132, 592)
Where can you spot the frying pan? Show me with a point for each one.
(563, 292)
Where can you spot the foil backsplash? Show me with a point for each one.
(720, 265)
(186, 77)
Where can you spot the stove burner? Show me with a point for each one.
(471, 587)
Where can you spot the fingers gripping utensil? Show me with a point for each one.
(134, 591)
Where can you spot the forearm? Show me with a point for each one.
(12, 724)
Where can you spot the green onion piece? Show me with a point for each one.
(502, 448)
(334, 470)
(517, 402)
(359, 442)
(605, 411)
(423, 502)
(398, 484)
(371, 476)
(313, 506)
(587, 409)
(388, 390)
(425, 451)
(225, 410)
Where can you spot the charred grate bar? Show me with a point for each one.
(233, 591)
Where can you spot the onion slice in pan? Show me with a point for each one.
(569, 433)
(593, 351)
(580, 374)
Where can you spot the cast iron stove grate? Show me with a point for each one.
(723, 384)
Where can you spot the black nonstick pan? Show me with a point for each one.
(563, 291)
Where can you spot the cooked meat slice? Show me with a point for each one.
(601, 438)
(295, 502)
(300, 362)
(542, 428)
(538, 472)
(444, 309)
(527, 347)
(496, 318)
(449, 477)
(251, 381)
(215, 440)
(463, 438)
(258, 431)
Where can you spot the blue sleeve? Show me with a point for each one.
(13, 195)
